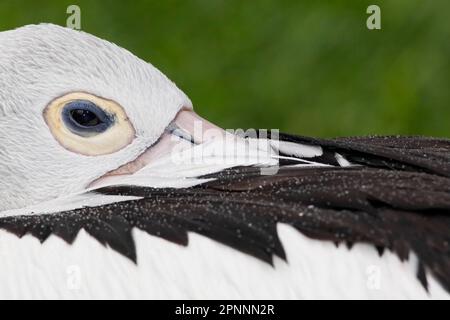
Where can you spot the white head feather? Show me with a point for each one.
(39, 63)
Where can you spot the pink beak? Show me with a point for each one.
(190, 129)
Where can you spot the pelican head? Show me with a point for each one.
(74, 108)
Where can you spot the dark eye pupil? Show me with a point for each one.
(85, 118)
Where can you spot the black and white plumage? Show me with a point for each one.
(390, 193)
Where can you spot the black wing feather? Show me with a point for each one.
(391, 152)
(399, 199)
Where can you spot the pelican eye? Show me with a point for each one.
(88, 124)
(85, 118)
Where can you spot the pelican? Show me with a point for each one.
(113, 187)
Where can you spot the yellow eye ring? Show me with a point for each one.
(96, 127)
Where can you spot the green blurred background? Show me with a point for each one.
(306, 67)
